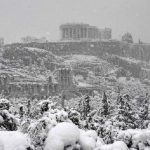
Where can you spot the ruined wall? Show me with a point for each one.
(65, 78)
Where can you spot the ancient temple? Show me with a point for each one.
(72, 31)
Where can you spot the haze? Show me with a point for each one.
(43, 17)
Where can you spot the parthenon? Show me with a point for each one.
(72, 31)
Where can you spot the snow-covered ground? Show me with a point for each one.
(14, 140)
(81, 59)
(48, 126)
(33, 49)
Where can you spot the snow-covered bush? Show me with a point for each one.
(74, 116)
(135, 138)
(4, 104)
(88, 139)
(62, 135)
(7, 121)
(38, 130)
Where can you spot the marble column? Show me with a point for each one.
(84, 33)
(63, 33)
(93, 33)
(79, 33)
(67, 33)
(74, 33)
(70, 33)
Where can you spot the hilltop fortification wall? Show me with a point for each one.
(137, 51)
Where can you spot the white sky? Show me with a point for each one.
(20, 18)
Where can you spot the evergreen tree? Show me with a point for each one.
(125, 115)
(7, 120)
(86, 106)
(105, 106)
(28, 107)
(144, 111)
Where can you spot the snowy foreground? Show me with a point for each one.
(48, 127)
(14, 140)
(69, 137)
(63, 136)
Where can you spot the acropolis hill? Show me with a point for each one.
(82, 38)
(43, 64)
(89, 40)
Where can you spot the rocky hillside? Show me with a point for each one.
(98, 57)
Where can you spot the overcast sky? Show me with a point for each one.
(20, 18)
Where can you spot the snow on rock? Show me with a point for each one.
(14, 140)
(63, 134)
(88, 139)
(118, 145)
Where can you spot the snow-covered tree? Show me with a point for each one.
(125, 115)
(86, 106)
(7, 120)
(105, 106)
(144, 112)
